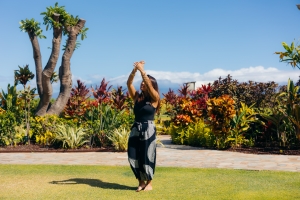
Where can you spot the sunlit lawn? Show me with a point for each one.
(103, 182)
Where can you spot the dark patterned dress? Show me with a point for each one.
(142, 141)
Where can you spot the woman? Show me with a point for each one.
(142, 139)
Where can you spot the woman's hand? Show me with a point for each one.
(139, 65)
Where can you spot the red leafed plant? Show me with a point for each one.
(119, 98)
(170, 97)
(182, 120)
(187, 111)
(77, 103)
(184, 90)
(200, 97)
(201, 92)
(188, 106)
(101, 93)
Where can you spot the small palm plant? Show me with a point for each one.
(22, 76)
(119, 138)
(71, 137)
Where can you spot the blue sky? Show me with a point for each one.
(181, 41)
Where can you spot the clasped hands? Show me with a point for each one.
(139, 65)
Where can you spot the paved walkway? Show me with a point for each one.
(169, 155)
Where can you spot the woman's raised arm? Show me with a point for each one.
(152, 92)
(131, 89)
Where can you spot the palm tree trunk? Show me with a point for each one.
(49, 69)
(65, 74)
(37, 60)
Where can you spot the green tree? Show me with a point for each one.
(291, 56)
(63, 24)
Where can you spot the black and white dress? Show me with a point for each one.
(142, 141)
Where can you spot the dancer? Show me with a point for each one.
(142, 139)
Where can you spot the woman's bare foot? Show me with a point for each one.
(141, 186)
(148, 186)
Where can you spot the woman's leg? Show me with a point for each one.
(133, 152)
(134, 156)
(148, 153)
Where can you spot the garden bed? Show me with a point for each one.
(266, 150)
(45, 149)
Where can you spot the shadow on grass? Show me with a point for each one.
(93, 183)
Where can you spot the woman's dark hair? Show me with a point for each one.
(155, 86)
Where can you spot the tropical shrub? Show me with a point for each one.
(120, 100)
(104, 119)
(169, 101)
(20, 134)
(101, 93)
(179, 133)
(70, 137)
(8, 134)
(10, 101)
(289, 107)
(188, 107)
(77, 104)
(45, 138)
(240, 124)
(44, 128)
(258, 93)
(195, 134)
(274, 126)
(220, 112)
(119, 138)
(200, 134)
(13, 138)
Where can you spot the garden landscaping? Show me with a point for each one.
(249, 117)
(198, 118)
(39, 148)
(225, 115)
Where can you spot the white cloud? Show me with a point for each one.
(174, 80)
(257, 74)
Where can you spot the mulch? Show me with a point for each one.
(46, 149)
(266, 150)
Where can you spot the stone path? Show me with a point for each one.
(169, 155)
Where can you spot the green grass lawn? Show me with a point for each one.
(105, 182)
